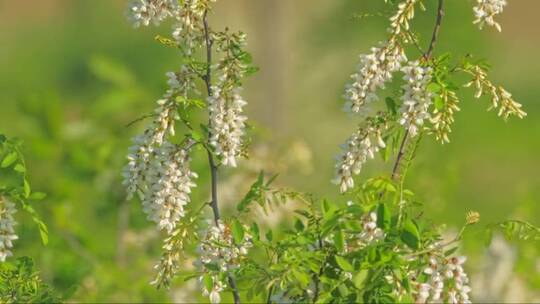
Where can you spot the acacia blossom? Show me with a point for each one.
(360, 147)
(486, 10)
(371, 233)
(416, 97)
(225, 104)
(376, 68)
(446, 282)
(158, 170)
(218, 248)
(7, 228)
(227, 123)
(146, 12)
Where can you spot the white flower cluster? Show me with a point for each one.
(486, 10)
(157, 169)
(145, 12)
(226, 105)
(219, 249)
(447, 282)
(501, 99)
(188, 16)
(217, 287)
(371, 233)
(376, 68)
(170, 180)
(189, 26)
(169, 264)
(416, 97)
(227, 124)
(7, 228)
(360, 147)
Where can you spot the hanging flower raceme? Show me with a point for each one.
(219, 254)
(442, 117)
(500, 98)
(146, 12)
(169, 182)
(227, 124)
(446, 281)
(7, 228)
(416, 97)
(157, 169)
(360, 147)
(375, 69)
(485, 12)
(226, 105)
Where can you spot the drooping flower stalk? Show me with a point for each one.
(360, 147)
(376, 68)
(7, 227)
(416, 98)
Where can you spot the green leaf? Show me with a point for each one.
(344, 264)
(37, 196)
(339, 240)
(301, 277)
(269, 236)
(383, 216)
(255, 231)
(238, 232)
(19, 168)
(208, 282)
(252, 194)
(43, 231)
(359, 278)
(439, 103)
(9, 159)
(410, 235)
(298, 225)
(391, 105)
(26, 188)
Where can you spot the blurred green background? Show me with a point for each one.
(74, 73)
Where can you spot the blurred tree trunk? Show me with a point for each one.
(269, 41)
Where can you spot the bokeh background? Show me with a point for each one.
(74, 73)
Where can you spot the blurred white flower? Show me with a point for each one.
(145, 12)
(7, 228)
(486, 10)
(371, 233)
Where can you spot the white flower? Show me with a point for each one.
(214, 294)
(371, 233)
(218, 247)
(169, 182)
(227, 123)
(375, 69)
(486, 10)
(416, 97)
(360, 147)
(452, 287)
(145, 12)
(7, 228)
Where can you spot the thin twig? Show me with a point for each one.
(213, 167)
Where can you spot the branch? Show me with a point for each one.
(427, 56)
(213, 167)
